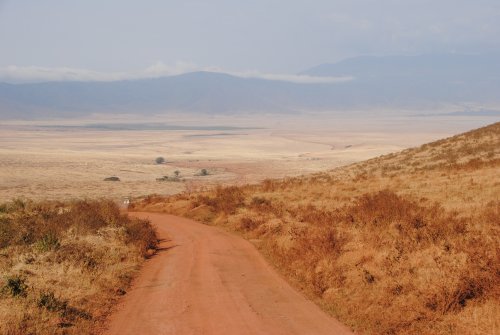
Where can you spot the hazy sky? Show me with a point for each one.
(268, 36)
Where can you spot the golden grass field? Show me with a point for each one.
(60, 163)
(405, 243)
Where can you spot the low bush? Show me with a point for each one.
(48, 301)
(174, 178)
(141, 233)
(15, 286)
(225, 199)
(80, 253)
(48, 242)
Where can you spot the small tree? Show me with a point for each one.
(160, 160)
(203, 172)
(177, 173)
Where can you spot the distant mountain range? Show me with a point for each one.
(394, 81)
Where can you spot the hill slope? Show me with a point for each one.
(401, 244)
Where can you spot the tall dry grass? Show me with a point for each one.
(63, 265)
(406, 243)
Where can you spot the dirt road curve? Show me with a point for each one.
(207, 281)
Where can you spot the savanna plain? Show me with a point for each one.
(69, 160)
(388, 240)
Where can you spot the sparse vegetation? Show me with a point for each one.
(63, 265)
(113, 178)
(405, 243)
(160, 160)
(174, 178)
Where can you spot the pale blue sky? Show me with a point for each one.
(268, 36)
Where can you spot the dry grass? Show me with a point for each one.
(64, 264)
(44, 163)
(405, 243)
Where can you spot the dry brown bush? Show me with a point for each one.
(62, 264)
(225, 199)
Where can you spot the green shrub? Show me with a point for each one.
(15, 286)
(48, 242)
(48, 301)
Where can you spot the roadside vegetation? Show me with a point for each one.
(63, 265)
(406, 243)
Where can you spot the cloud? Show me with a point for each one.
(159, 69)
(301, 79)
(33, 74)
(23, 74)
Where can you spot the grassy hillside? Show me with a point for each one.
(406, 243)
(63, 265)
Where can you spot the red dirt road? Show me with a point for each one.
(207, 281)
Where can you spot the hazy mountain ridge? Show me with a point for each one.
(424, 65)
(395, 81)
(431, 78)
